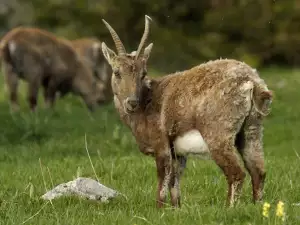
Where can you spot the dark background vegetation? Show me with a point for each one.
(185, 33)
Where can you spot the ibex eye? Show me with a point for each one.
(144, 73)
(117, 72)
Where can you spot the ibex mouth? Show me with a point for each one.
(129, 109)
(91, 108)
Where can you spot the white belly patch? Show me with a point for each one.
(193, 143)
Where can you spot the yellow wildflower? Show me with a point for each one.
(266, 208)
(280, 210)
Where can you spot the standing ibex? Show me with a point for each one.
(215, 109)
(40, 58)
(90, 50)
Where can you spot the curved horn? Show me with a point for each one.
(144, 37)
(119, 45)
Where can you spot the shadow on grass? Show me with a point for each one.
(23, 126)
(69, 118)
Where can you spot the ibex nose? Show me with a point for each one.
(132, 102)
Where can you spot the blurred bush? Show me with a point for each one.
(185, 33)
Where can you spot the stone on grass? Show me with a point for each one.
(82, 187)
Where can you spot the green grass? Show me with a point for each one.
(43, 150)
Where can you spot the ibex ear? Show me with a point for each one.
(132, 54)
(148, 82)
(96, 48)
(108, 53)
(147, 51)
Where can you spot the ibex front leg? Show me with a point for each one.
(164, 165)
(50, 94)
(178, 165)
(33, 90)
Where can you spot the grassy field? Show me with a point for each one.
(37, 152)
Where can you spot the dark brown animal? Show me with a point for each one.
(91, 52)
(214, 110)
(42, 59)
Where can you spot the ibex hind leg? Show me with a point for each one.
(250, 146)
(12, 83)
(225, 155)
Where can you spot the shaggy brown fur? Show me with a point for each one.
(40, 58)
(90, 50)
(224, 101)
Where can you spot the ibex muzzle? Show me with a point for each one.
(131, 103)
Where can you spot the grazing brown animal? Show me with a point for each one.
(42, 59)
(215, 109)
(90, 50)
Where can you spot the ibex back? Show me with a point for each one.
(213, 110)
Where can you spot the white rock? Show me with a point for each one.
(83, 187)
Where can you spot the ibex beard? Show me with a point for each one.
(214, 110)
(41, 59)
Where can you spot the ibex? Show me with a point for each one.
(90, 50)
(214, 110)
(42, 59)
